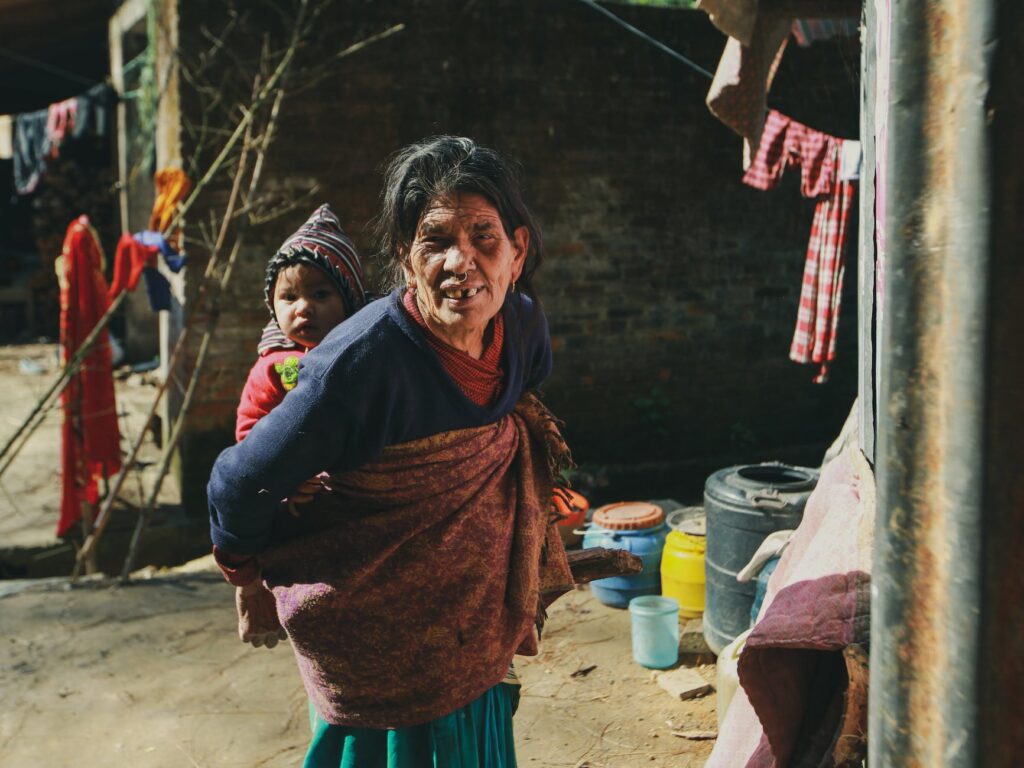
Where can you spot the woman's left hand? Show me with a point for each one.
(257, 616)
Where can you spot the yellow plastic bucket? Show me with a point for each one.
(682, 572)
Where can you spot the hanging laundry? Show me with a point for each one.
(130, 258)
(90, 439)
(736, 18)
(94, 111)
(135, 257)
(786, 143)
(814, 340)
(739, 89)
(850, 159)
(60, 121)
(31, 146)
(806, 32)
(158, 290)
(172, 185)
(6, 137)
(173, 261)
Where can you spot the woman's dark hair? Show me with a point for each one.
(434, 169)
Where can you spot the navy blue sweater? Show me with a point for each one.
(372, 382)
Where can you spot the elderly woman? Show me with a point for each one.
(409, 583)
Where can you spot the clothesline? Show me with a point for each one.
(33, 138)
(644, 36)
(44, 67)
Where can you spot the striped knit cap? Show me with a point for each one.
(322, 243)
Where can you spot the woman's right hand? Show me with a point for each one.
(257, 616)
(305, 493)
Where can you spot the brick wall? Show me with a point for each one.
(670, 287)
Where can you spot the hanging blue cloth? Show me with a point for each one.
(158, 290)
(31, 147)
(94, 111)
(153, 239)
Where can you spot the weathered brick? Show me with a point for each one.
(663, 269)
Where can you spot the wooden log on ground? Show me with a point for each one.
(601, 563)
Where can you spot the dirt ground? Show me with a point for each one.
(30, 488)
(152, 674)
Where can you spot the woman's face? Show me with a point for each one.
(463, 235)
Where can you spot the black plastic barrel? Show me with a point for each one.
(744, 504)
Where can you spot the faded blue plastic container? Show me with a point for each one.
(654, 625)
(638, 527)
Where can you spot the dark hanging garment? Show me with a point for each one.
(94, 114)
(31, 147)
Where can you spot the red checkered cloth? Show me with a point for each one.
(785, 142)
(814, 340)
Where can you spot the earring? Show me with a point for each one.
(513, 286)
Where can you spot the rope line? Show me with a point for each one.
(656, 43)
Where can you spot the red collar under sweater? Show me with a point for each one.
(480, 380)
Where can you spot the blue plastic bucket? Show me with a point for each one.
(646, 541)
(654, 623)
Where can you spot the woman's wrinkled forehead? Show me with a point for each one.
(470, 209)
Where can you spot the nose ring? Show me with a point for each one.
(459, 279)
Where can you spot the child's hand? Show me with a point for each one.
(257, 616)
(305, 493)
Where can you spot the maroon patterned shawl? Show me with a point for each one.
(417, 577)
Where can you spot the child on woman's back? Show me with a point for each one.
(314, 282)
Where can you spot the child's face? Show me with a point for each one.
(307, 304)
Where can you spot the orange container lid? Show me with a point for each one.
(576, 502)
(629, 516)
(574, 513)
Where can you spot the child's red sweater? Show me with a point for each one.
(270, 379)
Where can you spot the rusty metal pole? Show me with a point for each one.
(926, 652)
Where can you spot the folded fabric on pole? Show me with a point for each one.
(734, 17)
(738, 93)
(90, 438)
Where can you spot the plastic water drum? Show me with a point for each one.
(682, 561)
(638, 527)
(744, 504)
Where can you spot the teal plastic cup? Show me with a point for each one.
(654, 621)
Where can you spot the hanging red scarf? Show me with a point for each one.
(90, 440)
(130, 259)
(480, 380)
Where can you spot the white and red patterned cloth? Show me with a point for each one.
(817, 319)
(785, 143)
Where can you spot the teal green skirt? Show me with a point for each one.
(477, 736)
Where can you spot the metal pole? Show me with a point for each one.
(928, 571)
